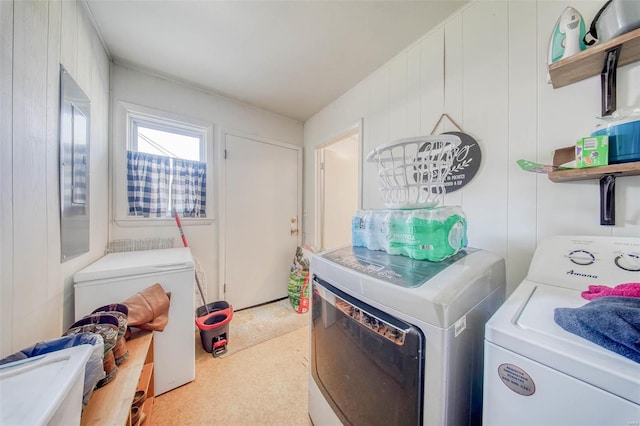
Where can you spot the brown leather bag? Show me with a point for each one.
(149, 309)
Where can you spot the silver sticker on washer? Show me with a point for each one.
(516, 379)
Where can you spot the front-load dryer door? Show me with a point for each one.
(368, 365)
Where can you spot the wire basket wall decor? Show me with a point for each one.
(412, 171)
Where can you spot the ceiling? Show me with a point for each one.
(289, 57)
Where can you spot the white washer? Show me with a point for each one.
(537, 373)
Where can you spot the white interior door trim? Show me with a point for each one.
(222, 195)
(358, 128)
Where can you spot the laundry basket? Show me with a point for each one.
(412, 171)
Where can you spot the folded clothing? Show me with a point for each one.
(612, 322)
(624, 290)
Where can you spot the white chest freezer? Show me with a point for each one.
(118, 276)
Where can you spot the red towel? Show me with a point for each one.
(623, 290)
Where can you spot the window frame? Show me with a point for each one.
(128, 116)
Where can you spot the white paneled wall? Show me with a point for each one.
(6, 177)
(522, 127)
(38, 36)
(30, 215)
(141, 88)
(486, 67)
(484, 104)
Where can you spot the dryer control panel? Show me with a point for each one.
(577, 262)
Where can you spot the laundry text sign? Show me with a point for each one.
(466, 162)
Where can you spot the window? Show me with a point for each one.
(164, 140)
(166, 168)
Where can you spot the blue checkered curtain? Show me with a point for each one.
(189, 188)
(148, 184)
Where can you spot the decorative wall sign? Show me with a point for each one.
(465, 163)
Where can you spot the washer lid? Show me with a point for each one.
(524, 324)
(116, 265)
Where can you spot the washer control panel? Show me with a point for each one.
(582, 257)
(628, 262)
(577, 262)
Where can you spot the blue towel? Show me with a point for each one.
(612, 322)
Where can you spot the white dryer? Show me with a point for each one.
(536, 372)
(399, 341)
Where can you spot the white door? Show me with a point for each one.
(262, 207)
(338, 189)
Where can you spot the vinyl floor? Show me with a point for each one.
(265, 384)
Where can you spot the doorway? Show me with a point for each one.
(261, 205)
(338, 172)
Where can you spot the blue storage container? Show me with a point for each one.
(624, 140)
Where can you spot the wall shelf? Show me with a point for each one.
(589, 62)
(604, 59)
(607, 176)
(623, 169)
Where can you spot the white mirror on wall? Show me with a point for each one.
(75, 110)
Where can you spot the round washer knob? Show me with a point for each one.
(628, 262)
(582, 257)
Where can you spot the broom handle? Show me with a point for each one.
(184, 241)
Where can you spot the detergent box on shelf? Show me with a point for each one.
(592, 151)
